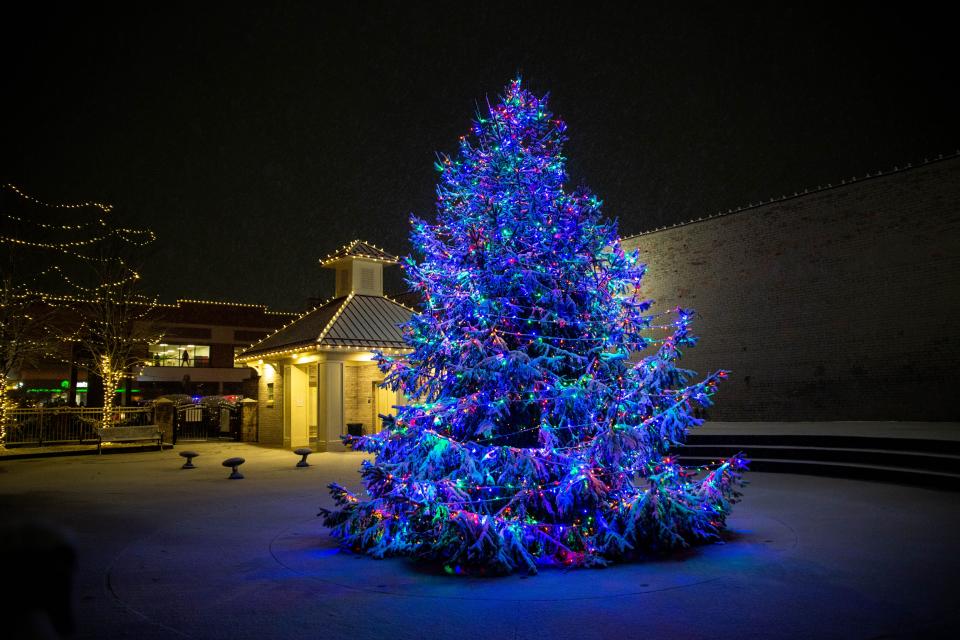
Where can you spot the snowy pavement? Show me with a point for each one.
(171, 553)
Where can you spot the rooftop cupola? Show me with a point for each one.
(359, 267)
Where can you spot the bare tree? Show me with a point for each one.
(81, 267)
(116, 328)
(24, 336)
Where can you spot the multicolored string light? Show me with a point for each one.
(543, 403)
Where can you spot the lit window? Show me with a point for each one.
(179, 355)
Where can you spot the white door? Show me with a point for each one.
(295, 406)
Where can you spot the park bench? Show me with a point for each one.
(145, 433)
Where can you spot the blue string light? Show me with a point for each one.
(531, 438)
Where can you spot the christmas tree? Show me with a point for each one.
(531, 437)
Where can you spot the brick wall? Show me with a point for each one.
(249, 420)
(271, 416)
(837, 305)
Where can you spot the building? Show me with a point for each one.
(838, 303)
(196, 355)
(317, 377)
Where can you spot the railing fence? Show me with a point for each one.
(40, 426)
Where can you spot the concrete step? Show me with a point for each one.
(928, 445)
(919, 460)
(851, 470)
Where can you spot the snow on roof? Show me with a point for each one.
(358, 321)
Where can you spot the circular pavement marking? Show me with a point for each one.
(755, 543)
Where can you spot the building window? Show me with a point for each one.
(270, 393)
(179, 355)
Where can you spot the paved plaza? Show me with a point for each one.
(171, 553)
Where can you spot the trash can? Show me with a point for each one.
(355, 428)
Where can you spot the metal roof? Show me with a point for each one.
(352, 321)
(368, 321)
(360, 249)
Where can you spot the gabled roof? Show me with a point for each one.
(360, 249)
(365, 322)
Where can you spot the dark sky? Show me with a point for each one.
(254, 141)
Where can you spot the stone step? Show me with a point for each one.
(945, 447)
(851, 470)
(922, 460)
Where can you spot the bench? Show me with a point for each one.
(146, 433)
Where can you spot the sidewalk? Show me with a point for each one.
(171, 553)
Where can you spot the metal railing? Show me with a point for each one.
(39, 426)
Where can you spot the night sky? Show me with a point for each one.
(255, 141)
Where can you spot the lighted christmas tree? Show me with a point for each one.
(532, 437)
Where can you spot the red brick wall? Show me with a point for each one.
(838, 305)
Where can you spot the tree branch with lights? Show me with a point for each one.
(24, 335)
(116, 326)
(546, 398)
(82, 275)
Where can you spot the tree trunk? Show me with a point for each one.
(111, 380)
(109, 391)
(3, 411)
